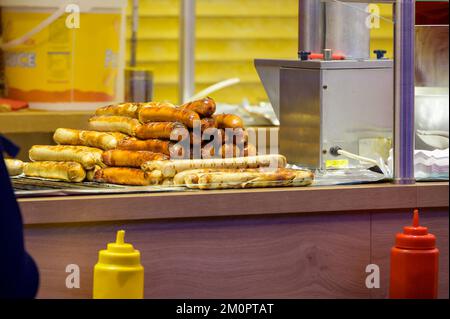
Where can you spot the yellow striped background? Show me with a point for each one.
(230, 35)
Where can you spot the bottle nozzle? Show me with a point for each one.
(416, 218)
(120, 238)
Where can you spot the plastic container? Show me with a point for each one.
(55, 63)
(414, 264)
(119, 273)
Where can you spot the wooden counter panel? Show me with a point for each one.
(71, 209)
(31, 121)
(384, 228)
(303, 256)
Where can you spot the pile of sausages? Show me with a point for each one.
(123, 137)
(192, 130)
(162, 131)
(144, 144)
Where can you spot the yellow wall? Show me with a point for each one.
(230, 35)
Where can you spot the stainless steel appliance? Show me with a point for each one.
(322, 104)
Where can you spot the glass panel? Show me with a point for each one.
(432, 91)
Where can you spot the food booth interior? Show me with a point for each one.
(357, 122)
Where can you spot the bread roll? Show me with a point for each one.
(120, 124)
(14, 166)
(86, 156)
(63, 171)
(104, 141)
(123, 109)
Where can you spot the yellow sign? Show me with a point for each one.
(337, 163)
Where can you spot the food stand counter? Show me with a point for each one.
(262, 243)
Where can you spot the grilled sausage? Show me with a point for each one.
(123, 158)
(159, 130)
(125, 176)
(153, 145)
(254, 178)
(249, 150)
(236, 136)
(205, 107)
(228, 121)
(168, 114)
(208, 123)
(172, 167)
(63, 171)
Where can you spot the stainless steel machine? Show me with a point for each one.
(334, 95)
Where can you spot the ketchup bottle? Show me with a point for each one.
(414, 263)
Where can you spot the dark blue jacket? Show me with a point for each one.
(19, 277)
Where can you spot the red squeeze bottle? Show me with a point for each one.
(414, 263)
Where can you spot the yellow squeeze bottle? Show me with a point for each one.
(119, 273)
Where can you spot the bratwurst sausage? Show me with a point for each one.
(205, 107)
(126, 176)
(168, 114)
(159, 130)
(123, 158)
(228, 121)
(153, 145)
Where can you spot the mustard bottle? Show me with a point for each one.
(119, 273)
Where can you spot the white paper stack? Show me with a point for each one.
(428, 164)
(431, 164)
